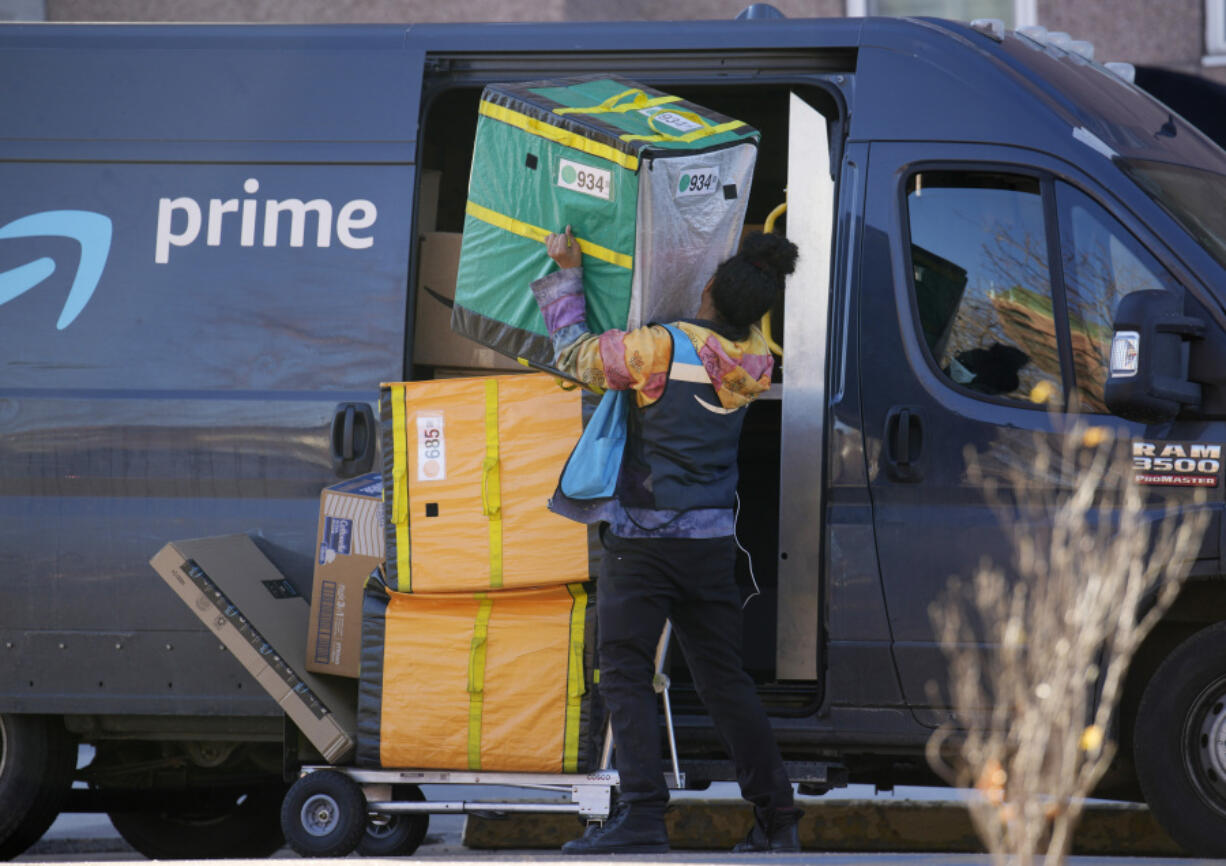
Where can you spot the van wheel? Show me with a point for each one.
(1179, 743)
(37, 761)
(401, 834)
(212, 828)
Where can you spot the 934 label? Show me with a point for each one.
(671, 119)
(431, 448)
(583, 178)
(698, 181)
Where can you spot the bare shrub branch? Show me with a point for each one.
(1037, 661)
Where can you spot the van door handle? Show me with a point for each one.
(353, 439)
(904, 444)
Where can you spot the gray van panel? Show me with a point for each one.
(189, 391)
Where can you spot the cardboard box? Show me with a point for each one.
(349, 546)
(258, 615)
(434, 342)
(427, 200)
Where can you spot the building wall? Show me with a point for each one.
(1160, 32)
(412, 11)
(1167, 33)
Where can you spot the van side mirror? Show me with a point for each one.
(1148, 379)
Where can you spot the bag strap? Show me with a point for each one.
(476, 678)
(614, 104)
(575, 680)
(687, 137)
(491, 482)
(400, 487)
(683, 348)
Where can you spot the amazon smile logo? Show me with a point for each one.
(91, 230)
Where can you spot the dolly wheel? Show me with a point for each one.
(324, 815)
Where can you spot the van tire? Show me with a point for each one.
(249, 829)
(37, 760)
(402, 834)
(1182, 775)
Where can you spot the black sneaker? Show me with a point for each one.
(630, 830)
(774, 831)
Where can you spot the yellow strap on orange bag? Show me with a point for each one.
(575, 686)
(400, 488)
(491, 482)
(476, 680)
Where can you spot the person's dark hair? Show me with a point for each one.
(746, 285)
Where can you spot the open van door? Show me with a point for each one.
(802, 443)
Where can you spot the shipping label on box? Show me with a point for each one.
(350, 545)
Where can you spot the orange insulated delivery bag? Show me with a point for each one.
(497, 681)
(469, 465)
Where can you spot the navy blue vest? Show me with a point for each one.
(681, 450)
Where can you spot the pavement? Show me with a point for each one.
(913, 826)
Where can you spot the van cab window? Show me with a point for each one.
(1191, 195)
(1102, 263)
(982, 283)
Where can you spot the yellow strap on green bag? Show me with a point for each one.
(694, 135)
(639, 100)
(491, 482)
(476, 680)
(538, 234)
(561, 136)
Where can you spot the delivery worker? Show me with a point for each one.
(670, 546)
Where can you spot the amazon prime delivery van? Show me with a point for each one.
(216, 242)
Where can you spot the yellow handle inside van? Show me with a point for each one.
(769, 228)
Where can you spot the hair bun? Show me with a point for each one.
(770, 252)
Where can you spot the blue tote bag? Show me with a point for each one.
(592, 469)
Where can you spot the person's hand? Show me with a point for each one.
(564, 249)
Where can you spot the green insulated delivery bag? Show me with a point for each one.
(654, 188)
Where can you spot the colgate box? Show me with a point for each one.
(348, 546)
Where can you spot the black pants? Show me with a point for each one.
(643, 582)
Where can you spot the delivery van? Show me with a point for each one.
(217, 241)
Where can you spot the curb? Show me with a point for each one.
(898, 826)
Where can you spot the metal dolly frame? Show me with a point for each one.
(326, 811)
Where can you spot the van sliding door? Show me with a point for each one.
(802, 443)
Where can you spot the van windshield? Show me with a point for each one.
(1191, 195)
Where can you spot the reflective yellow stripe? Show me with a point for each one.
(476, 680)
(400, 489)
(535, 233)
(689, 136)
(491, 485)
(561, 136)
(610, 106)
(574, 679)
